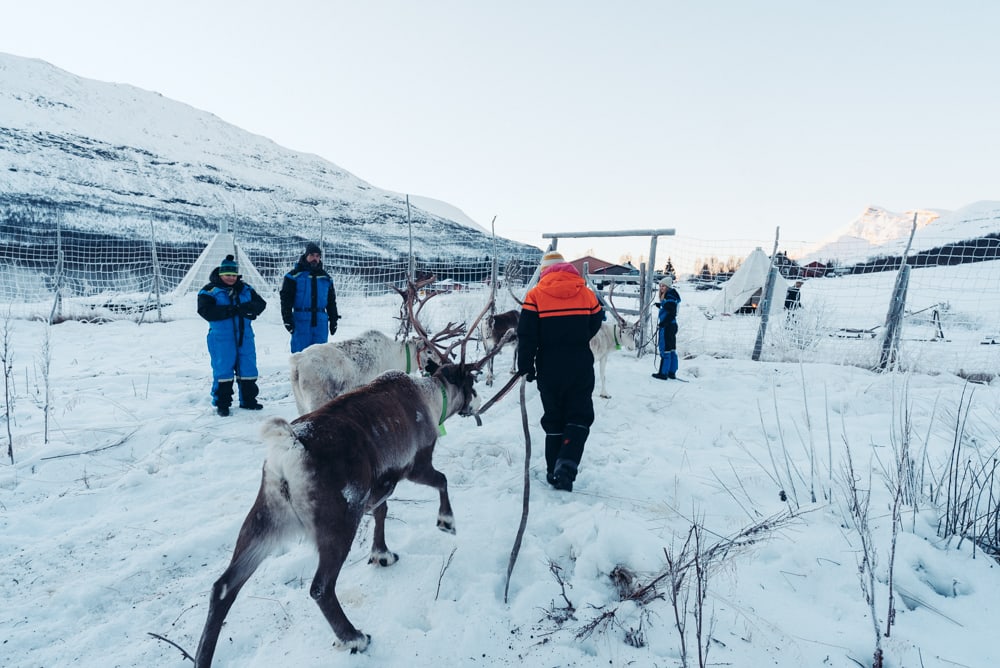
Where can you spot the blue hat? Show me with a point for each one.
(228, 267)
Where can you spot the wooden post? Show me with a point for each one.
(764, 305)
(894, 317)
(60, 255)
(156, 271)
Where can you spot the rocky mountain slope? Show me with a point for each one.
(111, 158)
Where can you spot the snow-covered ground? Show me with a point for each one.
(118, 526)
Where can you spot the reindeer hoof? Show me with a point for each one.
(359, 644)
(383, 558)
(446, 523)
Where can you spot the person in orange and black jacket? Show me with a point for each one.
(229, 305)
(558, 318)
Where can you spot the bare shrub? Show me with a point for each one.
(859, 515)
(683, 582)
(967, 491)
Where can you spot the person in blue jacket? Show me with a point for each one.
(308, 301)
(229, 305)
(666, 329)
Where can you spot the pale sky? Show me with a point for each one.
(723, 120)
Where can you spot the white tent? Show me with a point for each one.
(744, 291)
(222, 245)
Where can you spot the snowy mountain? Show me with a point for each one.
(110, 158)
(878, 226)
(878, 232)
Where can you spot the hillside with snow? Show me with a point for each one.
(110, 158)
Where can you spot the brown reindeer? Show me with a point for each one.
(327, 468)
(497, 327)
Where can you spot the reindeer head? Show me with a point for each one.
(629, 330)
(462, 374)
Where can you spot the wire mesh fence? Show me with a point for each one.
(950, 319)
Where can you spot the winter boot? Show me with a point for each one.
(553, 442)
(664, 368)
(672, 364)
(222, 397)
(571, 450)
(570, 453)
(565, 475)
(248, 395)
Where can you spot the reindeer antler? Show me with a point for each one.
(452, 330)
(512, 267)
(411, 317)
(490, 303)
(409, 295)
(478, 364)
(614, 311)
(627, 328)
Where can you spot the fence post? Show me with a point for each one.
(646, 293)
(894, 317)
(645, 286)
(411, 269)
(57, 302)
(156, 271)
(764, 305)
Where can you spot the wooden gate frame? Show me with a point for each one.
(645, 286)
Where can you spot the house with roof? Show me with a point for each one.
(599, 267)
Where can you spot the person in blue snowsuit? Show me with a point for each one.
(666, 329)
(229, 305)
(308, 301)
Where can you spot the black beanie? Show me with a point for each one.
(313, 248)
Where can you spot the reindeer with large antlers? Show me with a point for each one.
(326, 370)
(329, 467)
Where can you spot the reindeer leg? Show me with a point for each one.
(334, 543)
(424, 473)
(257, 534)
(380, 551)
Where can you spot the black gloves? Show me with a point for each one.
(529, 374)
(290, 327)
(247, 311)
(333, 327)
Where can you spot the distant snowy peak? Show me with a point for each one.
(878, 226)
(878, 232)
